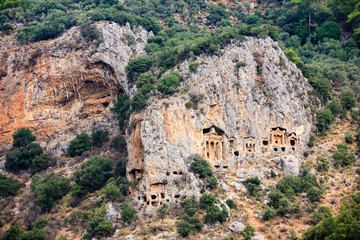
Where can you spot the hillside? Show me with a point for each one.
(185, 119)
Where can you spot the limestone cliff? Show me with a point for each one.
(63, 86)
(248, 102)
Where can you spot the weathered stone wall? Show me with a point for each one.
(225, 113)
(62, 86)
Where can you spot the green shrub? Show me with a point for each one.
(335, 107)
(284, 206)
(212, 182)
(320, 214)
(89, 31)
(347, 99)
(312, 139)
(122, 108)
(185, 228)
(79, 145)
(25, 157)
(349, 139)
(144, 79)
(8, 186)
(130, 38)
(342, 156)
(292, 56)
(230, 203)
(193, 66)
(269, 213)
(161, 211)
(137, 66)
(189, 206)
(202, 167)
(13, 232)
(119, 143)
(252, 185)
(290, 185)
(240, 64)
(329, 29)
(248, 232)
(314, 193)
(23, 137)
(324, 120)
(97, 227)
(49, 189)
(275, 199)
(99, 136)
(169, 83)
(34, 234)
(322, 165)
(128, 213)
(96, 172)
(111, 191)
(207, 200)
(214, 214)
(322, 86)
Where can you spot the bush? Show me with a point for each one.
(89, 31)
(97, 227)
(240, 64)
(189, 206)
(329, 29)
(23, 137)
(324, 120)
(290, 185)
(96, 172)
(252, 185)
(349, 139)
(184, 228)
(25, 157)
(342, 156)
(144, 79)
(212, 182)
(314, 193)
(202, 167)
(312, 139)
(214, 214)
(49, 189)
(275, 198)
(322, 165)
(137, 66)
(119, 143)
(193, 66)
(128, 213)
(207, 200)
(322, 213)
(8, 186)
(99, 136)
(347, 99)
(13, 232)
(284, 206)
(248, 232)
(34, 234)
(111, 191)
(230, 203)
(161, 211)
(335, 108)
(169, 83)
(120, 167)
(269, 213)
(79, 145)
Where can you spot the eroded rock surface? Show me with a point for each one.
(226, 112)
(66, 85)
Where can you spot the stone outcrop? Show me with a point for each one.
(247, 102)
(66, 85)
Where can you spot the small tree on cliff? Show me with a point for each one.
(79, 145)
(25, 153)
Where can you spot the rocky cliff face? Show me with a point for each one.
(243, 105)
(247, 103)
(63, 86)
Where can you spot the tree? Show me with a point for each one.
(13, 232)
(23, 137)
(248, 232)
(201, 167)
(347, 98)
(8, 186)
(207, 200)
(99, 136)
(97, 227)
(162, 211)
(137, 66)
(307, 4)
(169, 83)
(128, 213)
(79, 145)
(252, 185)
(324, 119)
(96, 172)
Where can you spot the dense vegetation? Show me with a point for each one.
(26, 154)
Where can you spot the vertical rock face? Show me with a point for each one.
(246, 103)
(66, 85)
